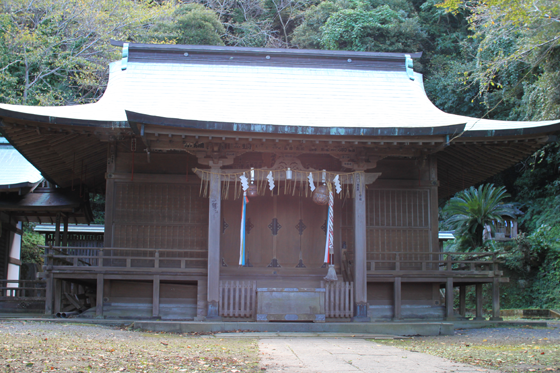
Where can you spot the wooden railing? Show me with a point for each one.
(96, 259)
(22, 290)
(440, 262)
(238, 298)
(339, 299)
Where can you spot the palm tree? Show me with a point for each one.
(474, 208)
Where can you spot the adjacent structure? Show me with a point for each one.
(180, 126)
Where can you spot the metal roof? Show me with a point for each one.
(211, 92)
(72, 228)
(15, 171)
(446, 235)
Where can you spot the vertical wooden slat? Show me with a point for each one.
(337, 299)
(254, 292)
(235, 306)
(331, 301)
(242, 304)
(346, 299)
(221, 304)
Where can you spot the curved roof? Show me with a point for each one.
(224, 90)
(266, 95)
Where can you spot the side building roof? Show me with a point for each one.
(16, 172)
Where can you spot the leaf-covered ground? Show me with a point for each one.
(47, 347)
(515, 349)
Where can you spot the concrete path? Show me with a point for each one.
(338, 355)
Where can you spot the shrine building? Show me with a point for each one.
(265, 185)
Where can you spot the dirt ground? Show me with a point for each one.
(46, 347)
(49, 347)
(512, 349)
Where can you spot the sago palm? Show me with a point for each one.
(474, 208)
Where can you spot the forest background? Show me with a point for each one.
(497, 59)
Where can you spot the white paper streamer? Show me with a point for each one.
(311, 185)
(336, 181)
(270, 179)
(244, 182)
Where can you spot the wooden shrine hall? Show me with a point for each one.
(268, 185)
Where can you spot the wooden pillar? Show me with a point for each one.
(155, 301)
(201, 300)
(360, 249)
(49, 293)
(462, 300)
(496, 300)
(214, 229)
(57, 230)
(397, 299)
(99, 298)
(65, 234)
(449, 299)
(110, 194)
(479, 299)
(434, 212)
(57, 286)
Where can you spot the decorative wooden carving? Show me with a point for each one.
(300, 227)
(248, 226)
(274, 226)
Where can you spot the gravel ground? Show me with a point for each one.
(46, 347)
(511, 349)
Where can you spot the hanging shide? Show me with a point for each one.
(296, 185)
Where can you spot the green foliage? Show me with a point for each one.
(191, 24)
(97, 202)
(533, 265)
(538, 188)
(308, 35)
(56, 51)
(381, 29)
(474, 208)
(518, 39)
(30, 253)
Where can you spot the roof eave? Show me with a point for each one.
(135, 118)
(212, 49)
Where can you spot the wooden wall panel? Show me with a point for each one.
(398, 220)
(313, 238)
(164, 216)
(259, 238)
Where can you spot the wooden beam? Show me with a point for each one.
(49, 293)
(463, 300)
(155, 300)
(479, 299)
(65, 234)
(57, 230)
(449, 315)
(99, 298)
(397, 299)
(496, 300)
(57, 296)
(109, 195)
